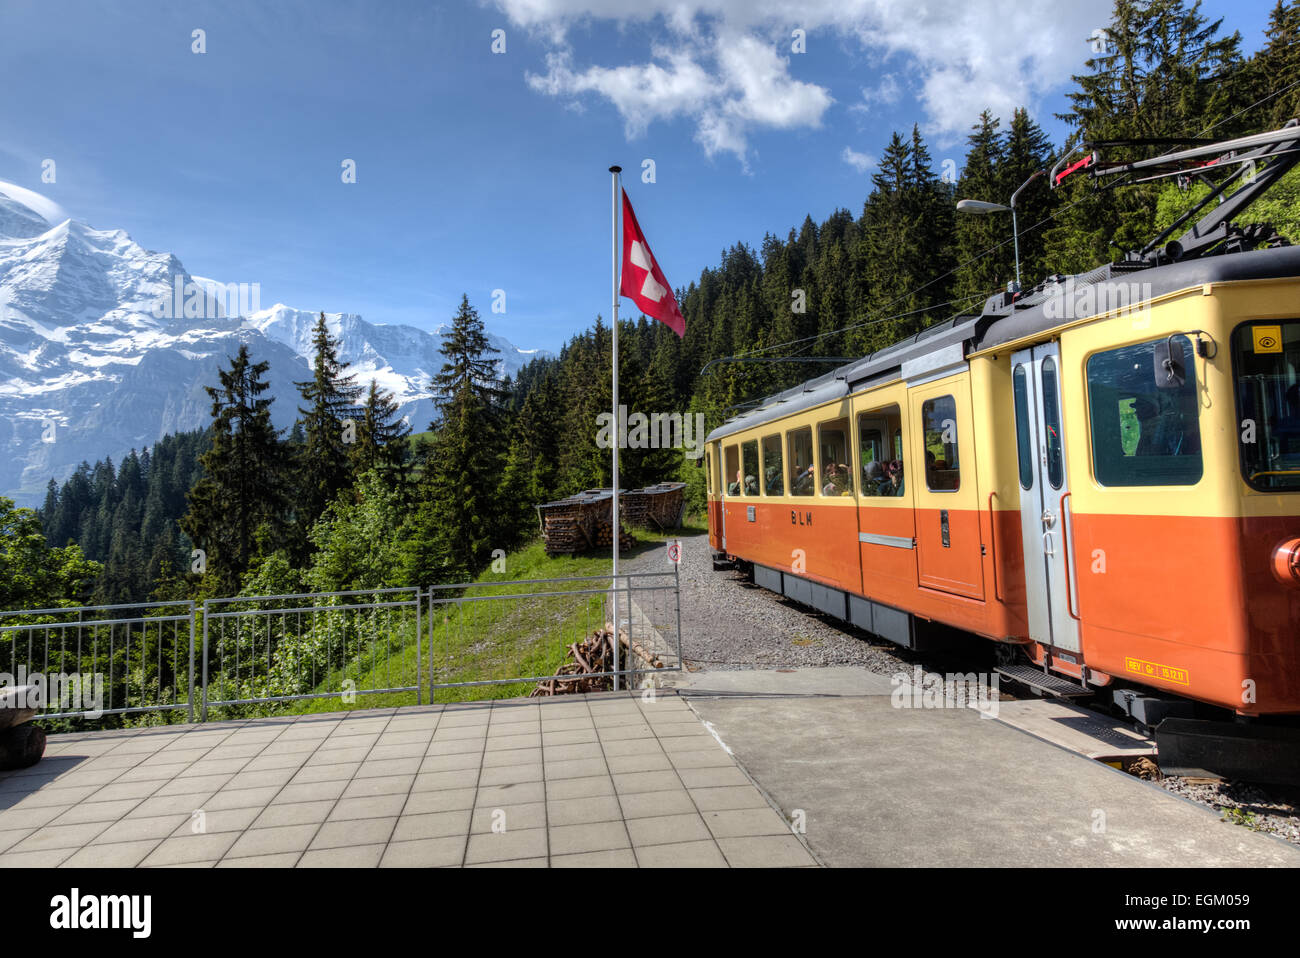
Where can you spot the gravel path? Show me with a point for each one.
(730, 623)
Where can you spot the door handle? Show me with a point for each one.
(1049, 547)
(1049, 519)
(1065, 533)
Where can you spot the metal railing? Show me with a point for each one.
(102, 660)
(240, 655)
(284, 648)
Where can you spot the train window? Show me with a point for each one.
(939, 425)
(731, 474)
(749, 465)
(773, 471)
(708, 472)
(1144, 431)
(1266, 367)
(1052, 425)
(880, 441)
(803, 474)
(837, 475)
(1024, 453)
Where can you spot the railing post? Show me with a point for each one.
(677, 599)
(191, 697)
(419, 689)
(204, 714)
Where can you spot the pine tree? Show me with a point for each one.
(241, 498)
(381, 441)
(982, 252)
(323, 465)
(459, 521)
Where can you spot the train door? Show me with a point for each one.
(949, 548)
(1044, 487)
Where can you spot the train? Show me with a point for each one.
(1100, 474)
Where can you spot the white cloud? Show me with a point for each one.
(43, 206)
(859, 161)
(729, 68)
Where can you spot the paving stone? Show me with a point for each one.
(579, 787)
(655, 804)
(387, 785)
(712, 777)
(506, 846)
(96, 812)
(138, 829)
(431, 825)
(514, 756)
(581, 811)
(284, 860)
(740, 822)
(510, 775)
(608, 858)
(191, 848)
(117, 855)
(526, 815)
(326, 773)
(727, 797)
(668, 829)
(575, 768)
(511, 794)
(298, 813)
(368, 806)
(424, 853)
(270, 841)
(591, 837)
(702, 854)
(646, 781)
(310, 792)
(639, 763)
(768, 851)
(353, 856)
(441, 800)
(362, 831)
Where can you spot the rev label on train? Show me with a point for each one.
(797, 519)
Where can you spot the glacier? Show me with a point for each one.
(91, 366)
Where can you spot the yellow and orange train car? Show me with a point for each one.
(1104, 474)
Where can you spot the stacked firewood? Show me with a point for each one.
(586, 660)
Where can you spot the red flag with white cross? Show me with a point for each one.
(643, 281)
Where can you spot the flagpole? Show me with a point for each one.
(618, 436)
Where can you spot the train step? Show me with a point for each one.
(1045, 682)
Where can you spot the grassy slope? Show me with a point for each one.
(491, 640)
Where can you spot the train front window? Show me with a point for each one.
(1266, 368)
(749, 464)
(773, 471)
(1146, 429)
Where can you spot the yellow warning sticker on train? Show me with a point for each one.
(1154, 670)
(1268, 339)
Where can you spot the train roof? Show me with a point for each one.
(1055, 303)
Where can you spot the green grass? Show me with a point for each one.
(493, 640)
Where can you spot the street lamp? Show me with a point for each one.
(979, 206)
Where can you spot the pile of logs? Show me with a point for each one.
(658, 506)
(581, 522)
(21, 744)
(581, 670)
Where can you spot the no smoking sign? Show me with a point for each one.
(674, 551)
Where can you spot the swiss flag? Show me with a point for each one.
(643, 281)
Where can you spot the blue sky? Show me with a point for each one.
(478, 170)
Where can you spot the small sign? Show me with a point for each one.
(674, 551)
(1268, 339)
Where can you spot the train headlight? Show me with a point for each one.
(1286, 562)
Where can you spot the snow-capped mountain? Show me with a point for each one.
(106, 346)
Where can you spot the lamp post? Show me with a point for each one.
(979, 206)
